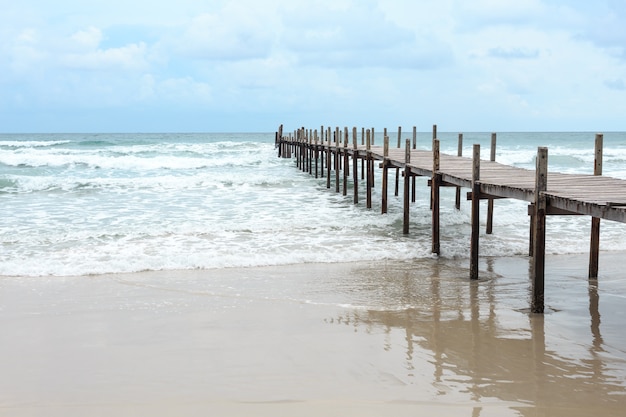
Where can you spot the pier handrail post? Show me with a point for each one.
(385, 179)
(337, 158)
(363, 159)
(355, 161)
(492, 158)
(475, 218)
(413, 176)
(346, 165)
(317, 153)
(370, 168)
(434, 186)
(407, 179)
(539, 238)
(594, 249)
(459, 152)
(328, 157)
(395, 192)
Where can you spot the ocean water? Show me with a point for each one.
(80, 204)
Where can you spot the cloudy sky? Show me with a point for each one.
(249, 65)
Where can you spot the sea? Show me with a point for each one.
(97, 203)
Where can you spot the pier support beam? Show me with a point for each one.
(346, 162)
(370, 173)
(407, 181)
(539, 232)
(385, 179)
(594, 249)
(413, 176)
(328, 161)
(459, 152)
(434, 188)
(337, 159)
(475, 218)
(398, 169)
(490, 201)
(355, 161)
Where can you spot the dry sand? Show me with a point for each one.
(377, 339)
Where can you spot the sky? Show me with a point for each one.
(251, 65)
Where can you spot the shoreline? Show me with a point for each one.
(361, 339)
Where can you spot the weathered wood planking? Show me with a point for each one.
(549, 193)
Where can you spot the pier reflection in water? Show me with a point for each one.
(476, 342)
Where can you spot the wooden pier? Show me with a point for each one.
(548, 193)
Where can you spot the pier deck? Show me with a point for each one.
(549, 193)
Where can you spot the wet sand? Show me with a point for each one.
(377, 339)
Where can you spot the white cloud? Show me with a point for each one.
(129, 57)
(89, 38)
(475, 63)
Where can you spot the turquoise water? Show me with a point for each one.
(76, 204)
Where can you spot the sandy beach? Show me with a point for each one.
(362, 339)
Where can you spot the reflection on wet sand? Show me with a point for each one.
(473, 350)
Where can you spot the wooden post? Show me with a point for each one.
(317, 153)
(539, 246)
(413, 176)
(362, 159)
(474, 241)
(370, 174)
(490, 200)
(459, 152)
(337, 159)
(434, 132)
(594, 250)
(373, 178)
(355, 161)
(328, 162)
(346, 164)
(311, 149)
(385, 175)
(434, 188)
(321, 149)
(398, 169)
(407, 180)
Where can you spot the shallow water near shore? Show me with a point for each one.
(366, 339)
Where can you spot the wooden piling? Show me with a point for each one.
(459, 152)
(355, 161)
(475, 217)
(435, 187)
(594, 249)
(539, 231)
(346, 165)
(385, 178)
(328, 156)
(395, 193)
(413, 176)
(337, 159)
(370, 174)
(407, 179)
(492, 158)
(362, 159)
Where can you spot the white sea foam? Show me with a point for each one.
(125, 203)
